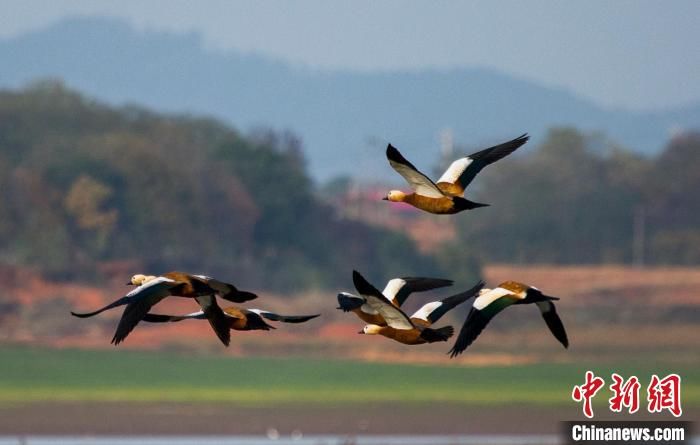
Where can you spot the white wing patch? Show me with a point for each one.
(494, 294)
(455, 170)
(144, 286)
(427, 309)
(203, 277)
(393, 287)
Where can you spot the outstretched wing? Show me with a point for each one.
(120, 302)
(348, 302)
(432, 312)
(485, 307)
(393, 316)
(227, 291)
(398, 289)
(549, 313)
(462, 171)
(419, 182)
(216, 317)
(284, 318)
(141, 300)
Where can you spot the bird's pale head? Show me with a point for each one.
(139, 279)
(395, 196)
(371, 329)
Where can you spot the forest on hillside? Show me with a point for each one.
(583, 199)
(84, 185)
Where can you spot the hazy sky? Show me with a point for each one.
(633, 54)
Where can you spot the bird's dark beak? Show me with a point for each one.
(386, 198)
(361, 332)
(129, 283)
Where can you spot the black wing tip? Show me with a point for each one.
(81, 315)
(240, 296)
(223, 335)
(441, 282)
(300, 318)
(477, 287)
(461, 297)
(226, 341)
(454, 352)
(309, 317)
(393, 154)
(358, 280)
(347, 303)
(116, 340)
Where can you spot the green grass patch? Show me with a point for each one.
(38, 375)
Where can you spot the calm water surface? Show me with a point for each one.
(261, 440)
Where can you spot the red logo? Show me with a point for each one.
(587, 391)
(665, 394)
(625, 394)
(662, 394)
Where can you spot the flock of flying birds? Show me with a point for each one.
(381, 310)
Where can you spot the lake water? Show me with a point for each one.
(261, 440)
(306, 440)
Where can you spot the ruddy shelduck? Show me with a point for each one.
(152, 289)
(492, 301)
(396, 291)
(412, 330)
(239, 319)
(446, 196)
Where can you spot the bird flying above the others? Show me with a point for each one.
(446, 197)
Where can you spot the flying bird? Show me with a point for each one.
(239, 319)
(414, 330)
(492, 301)
(396, 291)
(152, 289)
(446, 196)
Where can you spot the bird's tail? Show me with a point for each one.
(465, 204)
(434, 335)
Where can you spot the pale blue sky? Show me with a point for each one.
(634, 54)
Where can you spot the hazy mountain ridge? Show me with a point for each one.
(344, 117)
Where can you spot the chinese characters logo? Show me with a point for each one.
(662, 394)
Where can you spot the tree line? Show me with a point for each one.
(83, 184)
(579, 198)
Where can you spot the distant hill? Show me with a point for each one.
(344, 118)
